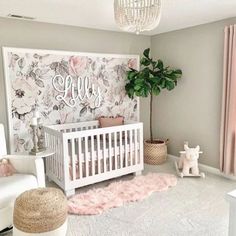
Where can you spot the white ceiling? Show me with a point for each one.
(98, 14)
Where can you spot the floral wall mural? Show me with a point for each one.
(29, 76)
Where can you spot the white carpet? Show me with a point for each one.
(193, 207)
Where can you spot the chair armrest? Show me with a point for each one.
(28, 165)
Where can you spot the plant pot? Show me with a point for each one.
(155, 153)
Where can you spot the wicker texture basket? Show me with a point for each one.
(155, 153)
(40, 210)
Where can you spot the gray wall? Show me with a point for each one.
(192, 111)
(17, 33)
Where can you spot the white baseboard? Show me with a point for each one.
(206, 168)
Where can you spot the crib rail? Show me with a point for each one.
(72, 127)
(107, 130)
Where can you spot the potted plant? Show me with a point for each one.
(152, 77)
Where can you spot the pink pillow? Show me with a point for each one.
(6, 168)
(110, 121)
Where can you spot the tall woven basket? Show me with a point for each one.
(155, 153)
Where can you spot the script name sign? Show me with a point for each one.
(71, 91)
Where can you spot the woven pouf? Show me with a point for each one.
(41, 211)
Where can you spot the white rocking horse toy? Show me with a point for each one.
(187, 166)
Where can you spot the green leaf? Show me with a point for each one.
(157, 79)
(146, 53)
(168, 72)
(156, 90)
(137, 87)
(131, 75)
(145, 73)
(160, 64)
(178, 73)
(163, 83)
(154, 73)
(145, 62)
(129, 90)
(155, 64)
(132, 69)
(138, 81)
(131, 93)
(170, 85)
(144, 92)
(171, 76)
(138, 93)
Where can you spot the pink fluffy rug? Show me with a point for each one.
(117, 194)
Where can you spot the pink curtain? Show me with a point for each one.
(228, 119)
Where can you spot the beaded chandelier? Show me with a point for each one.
(137, 15)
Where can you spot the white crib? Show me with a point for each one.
(86, 154)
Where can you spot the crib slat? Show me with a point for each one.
(73, 158)
(93, 155)
(115, 144)
(49, 160)
(80, 158)
(52, 159)
(66, 160)
(131, 147)
(60, 159)
(54, 156)
(126, 149)
(110, 158)
(121, 151)
(104, 153)
(47, 146)
(141, 145)
(86, 153)
(98, 154)
(135, 147)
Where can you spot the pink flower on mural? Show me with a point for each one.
(132, 63)
(77, 65)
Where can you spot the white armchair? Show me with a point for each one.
(29, 174)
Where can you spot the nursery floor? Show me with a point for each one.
(193, 207)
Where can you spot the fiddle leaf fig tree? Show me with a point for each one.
(152, 77)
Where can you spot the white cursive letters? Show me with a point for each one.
(71, 91)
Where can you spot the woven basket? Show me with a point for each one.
(155, 153)
(40, 210)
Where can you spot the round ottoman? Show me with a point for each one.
(41, 211)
